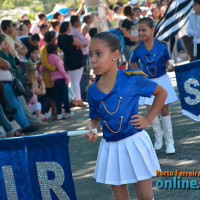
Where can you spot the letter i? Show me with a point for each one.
(179, 182)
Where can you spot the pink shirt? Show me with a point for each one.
(60, 71)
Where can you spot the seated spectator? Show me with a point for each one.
(12, 99)
(23, 30)
(34, 57)
(37, 86)
(19, 46)
(30, 42)
(5, 123)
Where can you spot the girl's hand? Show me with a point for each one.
(139, 121)
(91, 136)
(170, 68)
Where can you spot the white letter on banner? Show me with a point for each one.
(9, 182)
(193, 91)
(55, 184)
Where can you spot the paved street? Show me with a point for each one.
(83, 155)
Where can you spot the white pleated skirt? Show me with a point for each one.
(165, 82)
(126, 161)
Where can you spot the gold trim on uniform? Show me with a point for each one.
(136, 73)
(162, 41)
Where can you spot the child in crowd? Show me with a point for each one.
(193, 29)
(126, 154)
(37, 86)
(93, 32)
(60, 80)
(154, 57)
(34, 57)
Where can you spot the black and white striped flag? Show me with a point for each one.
(175, 17)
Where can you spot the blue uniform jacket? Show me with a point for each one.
(116, 108)
(153, 61)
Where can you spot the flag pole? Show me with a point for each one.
(80, 132)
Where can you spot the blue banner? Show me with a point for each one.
(36, 168)
(188, 81)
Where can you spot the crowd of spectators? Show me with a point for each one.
(51, 59)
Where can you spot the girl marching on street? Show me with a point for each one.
(154, 58)
(126, 154)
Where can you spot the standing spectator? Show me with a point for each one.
(30, 42)
(28, 24)
(43, 29)
(55, 26)
(60, 80)
(127, 26)
(137, 13)
(193, 29)
(35, 28)
(76, 25)
(117, 16)
(49, 38)
(73, 59)
(25, 16)
(58, 16)
(156, 15)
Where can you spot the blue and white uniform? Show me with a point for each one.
(153, 64)
(126, 154)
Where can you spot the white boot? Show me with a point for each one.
(168, 135)
(158, 133)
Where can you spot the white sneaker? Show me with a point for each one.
(68, 115)
(60, 116)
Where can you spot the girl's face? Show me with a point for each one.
(196, 8)
(3, 45)
(101, 57)
(145, 32)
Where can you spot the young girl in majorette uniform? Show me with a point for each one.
(126, 154)
(154, 58)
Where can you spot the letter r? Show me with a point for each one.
(55, 184)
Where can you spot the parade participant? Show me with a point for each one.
(126, 154)
(154, 58)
